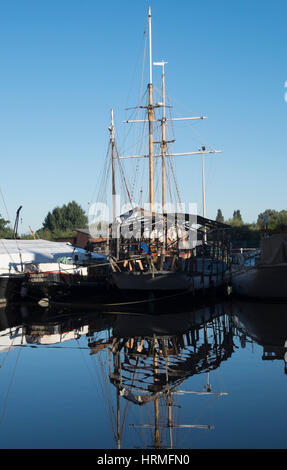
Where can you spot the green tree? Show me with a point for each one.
(5, 232)
(237, 215)
(219, 217)
(65, 219)
(236, 220)
(276, 219)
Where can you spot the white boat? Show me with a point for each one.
(17, 255)
(38, 264)
(267, 279)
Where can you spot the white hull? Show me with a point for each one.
(264, 282)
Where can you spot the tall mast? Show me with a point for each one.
(203, 192)
(150, 120)
(203, 185)
(163, 137)
(112, 140)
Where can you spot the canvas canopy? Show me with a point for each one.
(143, 223)
(15, 253)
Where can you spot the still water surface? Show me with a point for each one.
(210, 377)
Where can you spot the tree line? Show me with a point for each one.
(240, 230)
(275, 220)
(63, 221)
(60, 222)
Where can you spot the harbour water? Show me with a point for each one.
(211, 377)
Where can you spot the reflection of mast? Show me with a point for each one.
(152, 367)
(118, 413)
(118, 420)
(156, 402)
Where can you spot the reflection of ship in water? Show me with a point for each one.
(24, 325)
(150, 357)
(147, 358)
(264, 323)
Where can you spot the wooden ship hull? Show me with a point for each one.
(164, 281)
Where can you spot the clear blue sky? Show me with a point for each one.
(66, 63)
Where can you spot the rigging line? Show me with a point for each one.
(123, 143)
(181, 104)
(128, 403)
(174, 178)
(144, 164)
(195, 131)
(5, 357)
(138, 161)
(170, 127)
(208, 408)
(7, 213)
(9, 254)
(191, 126)
(105, 183)
(100, 372)
(167, 169)
(106, 164)
(80, 348)
(108, 398)
(143, 61)
(140, 88)
(102, 391)
(123, 186)
(141, 413)
(139, 149)
(103, 172)
(9, 388)
(145, 100)
(169, 160)
(141, 81)
(123, 175)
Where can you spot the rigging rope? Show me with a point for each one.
(7, 213)
(9, 388)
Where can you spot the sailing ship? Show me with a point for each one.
(161, 252)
